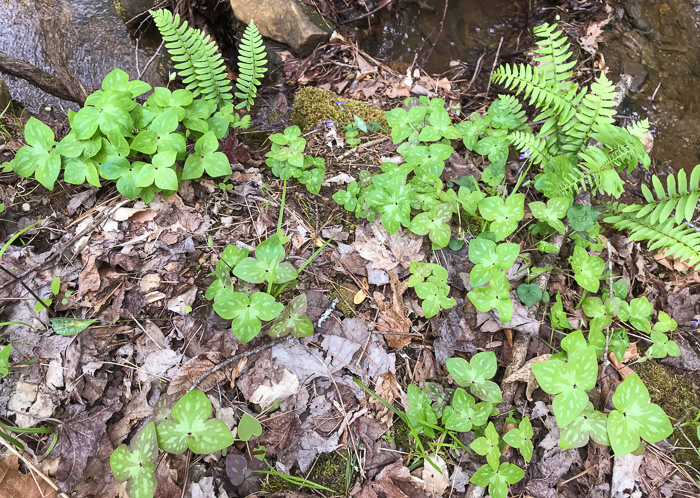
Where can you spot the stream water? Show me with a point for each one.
(95, 41)
(658, 42)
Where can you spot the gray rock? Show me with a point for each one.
(287, 21)
(5, 96)
(133, 11)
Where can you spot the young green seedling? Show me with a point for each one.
(189, 426)
(496, 295)
(292, 320)
(521, 438)
(503, 215)
(488, 445)
(248, 427)
(588, 269)
(5, 360)
(464, 413)
(635, 417)
(137, 466)
(498, 480)
(474, 374)
(490, 259)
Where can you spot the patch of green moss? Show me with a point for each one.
(312, 105)
(328, 470)
(402, 436)
(679, 399)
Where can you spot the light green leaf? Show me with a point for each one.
(589, 424)
(190, 427)
(70, 326)
(248, 427)
(137, 466)
(588, 269)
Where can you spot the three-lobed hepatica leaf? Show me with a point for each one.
(662, 346)
(292, 320)
(267, 265)
(189, 426)
(161, 135)
(392, 197)
(521, 438)
(246, 312)
(635, 417)
(464, 413)
(435, 296)
(440, 127)
(552, 212)
(590, 424)
(498, 480)
(503, 215)
(568, 381)
(588, 269)
(403, 123)
(206, 158)
(107, 110)
(137, 466)
(489, 259)
(488, 445)
(40, 157)
(435, 223)
(429, 159)
(474, 374)
(160, 172)
(495, 296)
(118, 80)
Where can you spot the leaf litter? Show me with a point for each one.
(142, 272)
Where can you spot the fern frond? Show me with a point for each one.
(251, 66)
(196, 57)
(534, 86)
(596, 109)
(679, 195)
(622, 147)
(524, 141)
(681, 242)
(599, 169)
(553, 56)
(639, 128)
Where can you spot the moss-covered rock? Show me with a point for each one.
(312, 105)
(679, 399)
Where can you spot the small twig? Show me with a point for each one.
(21, 282)
(361, 146)
(145, 68)
(493, 68)
(235, 358)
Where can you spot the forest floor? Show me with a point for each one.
(142, 270)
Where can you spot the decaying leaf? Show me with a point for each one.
(392, 320)
(14, 483)
(524, 374)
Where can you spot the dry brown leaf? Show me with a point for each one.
(89, 279)
(524, 374)
(193, 369)
(388, 389)
(392, 319)
(14, 483)
(623, 370)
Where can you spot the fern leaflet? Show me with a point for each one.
(251, 66)
(553, 56)
(681, 242)
(197, 58)
(596, 109)
(524, 141)
(679, 195)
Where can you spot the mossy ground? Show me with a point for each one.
(679, 399)
(329, 470)
(312, 105)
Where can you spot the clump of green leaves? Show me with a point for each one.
(430, 283)
(475, 375)
(141, 147)
(287, 160)
(136, 465)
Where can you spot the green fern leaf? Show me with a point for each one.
(681, 241)
(679, 195)
(196, 57)
(251, 66)
(553, 56)
(534, 86)
(596, 109)
(524, 141)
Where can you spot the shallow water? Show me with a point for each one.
(96, 41)
(657, 42)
